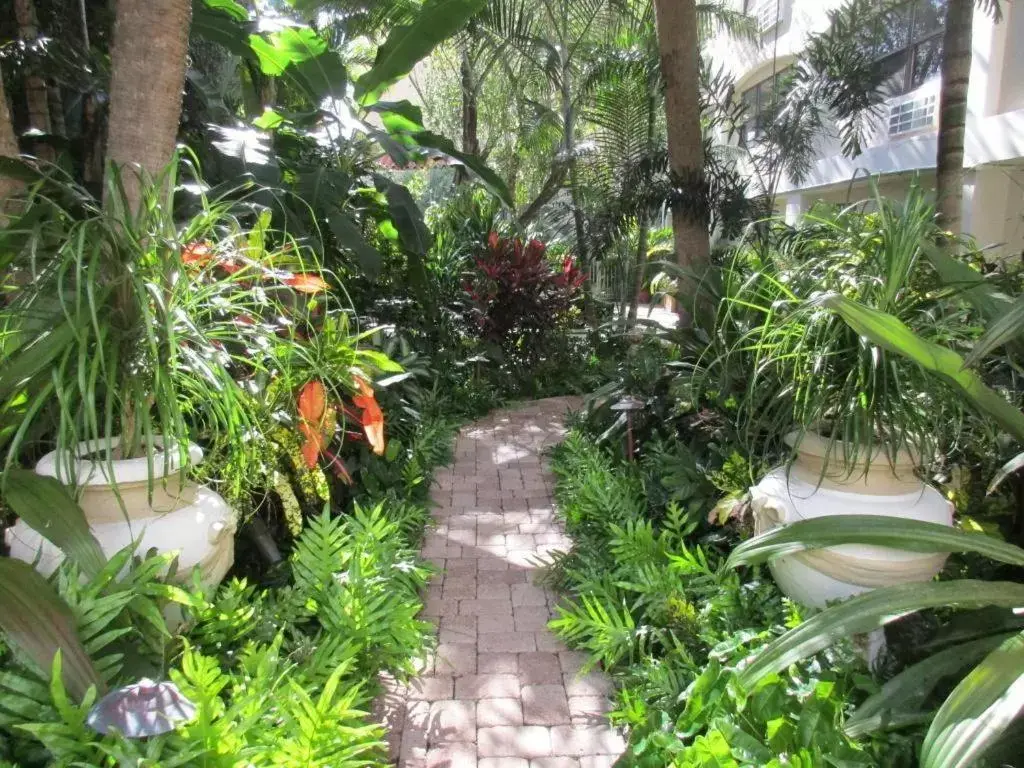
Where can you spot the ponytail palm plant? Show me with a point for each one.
(800, 367)
(119, 328)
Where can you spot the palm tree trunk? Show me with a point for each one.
(680, 68)
(8, 148)
(956, 74)
(148, 70)
(640, 266)
(35, 86)
(569, 151)
(470, 121)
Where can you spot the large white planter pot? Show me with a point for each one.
(802, 492)
(174, 515)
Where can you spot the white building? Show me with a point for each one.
(904, 142)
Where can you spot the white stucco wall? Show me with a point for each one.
(994, 141)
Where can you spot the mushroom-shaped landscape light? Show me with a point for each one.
(146, 708)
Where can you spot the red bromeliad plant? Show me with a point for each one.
(518, 297)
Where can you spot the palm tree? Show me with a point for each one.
(147, 73)
(680, 67)
(8, 148)
(955, 79)
(35, 86)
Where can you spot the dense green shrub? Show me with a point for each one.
(280, 677)
(650, 601)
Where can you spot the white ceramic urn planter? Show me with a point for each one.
(816, 577)
(178, 516)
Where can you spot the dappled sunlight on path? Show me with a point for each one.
(501, 691)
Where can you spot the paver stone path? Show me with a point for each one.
(501, 691)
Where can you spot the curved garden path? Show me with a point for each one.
(501, 691)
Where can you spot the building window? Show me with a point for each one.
(766, 13)
(912, 115)
(760, 101)
(908, 43)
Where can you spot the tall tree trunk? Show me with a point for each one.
(640, 265)
(956, 75)
(35, 86)
(148, 70)
(643, 220)
(470, 117)
(8, 148)
(680, 68)
(569, 150)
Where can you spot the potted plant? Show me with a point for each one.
(858, 423)
(128, 338)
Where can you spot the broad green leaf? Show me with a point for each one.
(913, 535)
(904, 693)
(219, 21)
(412, 232)
(229, 7)
(473, 162)
(269, 120)
(407, 44)
(280, 50)
(955, 273)
(1004, 329)
(349, 237)
(891, 334)
(321, 77)
(38, 622)
(978, 710)
(46, 507)
(872, 610)
(399, 116)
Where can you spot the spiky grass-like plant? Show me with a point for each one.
(146, 323)
(797, 366)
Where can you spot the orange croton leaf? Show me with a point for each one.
(313, 402)
(199, 252)
(372, 417)
(313, 415)
(306, 283)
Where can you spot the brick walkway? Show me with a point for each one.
(501, 691)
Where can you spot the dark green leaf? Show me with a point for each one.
(891, 334)
(978, 710)
(321, 77)
(38, 622)
(349, 237)
(1004, 329)
(412, 232)
(407, 44)
(873, 610)
(473, 162)
(218, 22)
(46, 507)
(907, 692)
